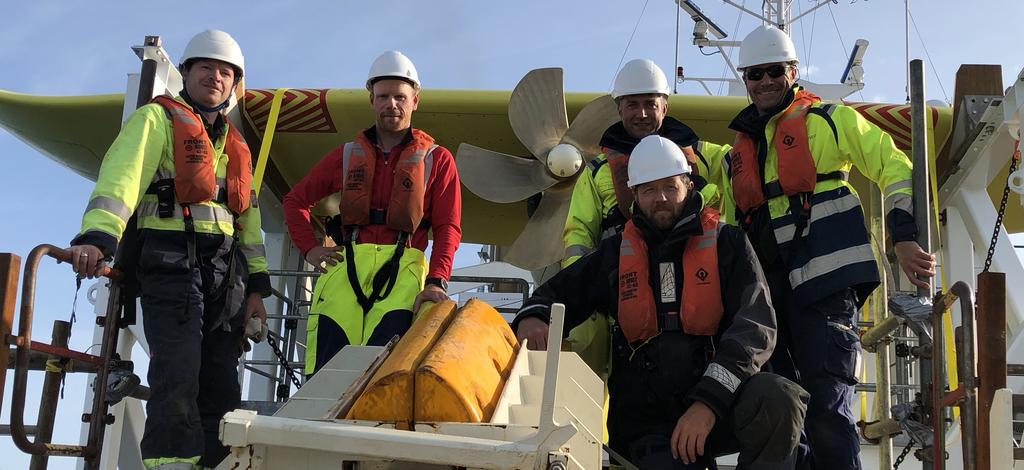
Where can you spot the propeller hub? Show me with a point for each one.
(564, 160)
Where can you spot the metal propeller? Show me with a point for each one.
(539, 120)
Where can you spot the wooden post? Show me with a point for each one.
(10, 265)
(991, 355)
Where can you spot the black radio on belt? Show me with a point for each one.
(164, 190)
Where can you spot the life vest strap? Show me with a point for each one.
(380, 217)
(612, 222)
(773, 189)
(671, 322)
(164, 191)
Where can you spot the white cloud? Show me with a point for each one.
(808, 70)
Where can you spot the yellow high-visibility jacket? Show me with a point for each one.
(143, 153)
(833, 251)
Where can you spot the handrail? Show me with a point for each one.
(23, 342)
(967, 391)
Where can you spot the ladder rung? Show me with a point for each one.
(5, 430)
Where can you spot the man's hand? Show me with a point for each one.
(691, 432)
(430, 293)
(87, 261)
(535, 331)
(915, 262)
(254, 307)
(321, 255)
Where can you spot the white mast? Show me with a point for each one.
(780, 14)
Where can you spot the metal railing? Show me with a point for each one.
(26, 353)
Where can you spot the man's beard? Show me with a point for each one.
(664, 217)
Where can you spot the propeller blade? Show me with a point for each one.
(540, 242)
(499, 177)
(536, 111)
(589, 125)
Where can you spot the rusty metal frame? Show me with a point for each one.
(98, 418)
(966, 393)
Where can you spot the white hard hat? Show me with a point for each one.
(766, 44)
(215, 44)
(392, 64)
(640, 77)
(654, 158)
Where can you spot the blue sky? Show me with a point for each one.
(73, 48)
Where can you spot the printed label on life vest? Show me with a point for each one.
(628, 285)
(668, 282)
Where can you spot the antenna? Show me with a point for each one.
(773, 12)
(703, 24)
(854, 73)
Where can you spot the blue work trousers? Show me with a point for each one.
(819, 348)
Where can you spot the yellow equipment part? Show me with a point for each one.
(389, 394)
(462, 377)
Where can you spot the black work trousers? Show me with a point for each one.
(648, 394)
(194, 347)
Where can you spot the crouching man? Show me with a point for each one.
(693, 326)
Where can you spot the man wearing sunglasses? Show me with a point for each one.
(787, 188)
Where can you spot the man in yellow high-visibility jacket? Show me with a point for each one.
(787, 188)
(186, 173)
(601, 200)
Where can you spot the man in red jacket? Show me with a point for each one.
(395, 185)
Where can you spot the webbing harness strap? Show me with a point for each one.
(385, 278)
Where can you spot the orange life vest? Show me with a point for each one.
(701, 306)
(797, 173)
(405, 208)
(195, 175)
(618, 163)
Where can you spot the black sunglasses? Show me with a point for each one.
(755, 74)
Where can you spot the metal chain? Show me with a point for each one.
(284, 362)
(903, 455)
(1002, 211)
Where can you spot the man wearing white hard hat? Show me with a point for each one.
(788, 184)
(693, 326)
(195, 245)
(396, 184)
(601, 199)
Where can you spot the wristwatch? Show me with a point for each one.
(437, 281)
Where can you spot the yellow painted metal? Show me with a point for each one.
(462, 377)
(268, 140)
(76, 131)
(389, 394)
